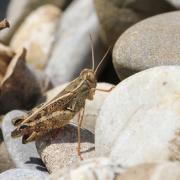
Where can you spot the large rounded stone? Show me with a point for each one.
(139, 120)
(152, 42)
(72, 52)
(37, 35)
(117, 15)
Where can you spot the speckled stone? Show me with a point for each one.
(72, 52)
(22, 174)
(139, 120)
(22, 155)
(37, 34)
(152, 42)
(116, 16)
(58, 149)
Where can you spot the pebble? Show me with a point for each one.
(72, 52)
(58, 149)
(116, 16)
(22, 174)
(92, 169)
(152, 42)
(37, 34)
(22, 155)
(139, 120)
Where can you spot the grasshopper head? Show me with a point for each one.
(89, 76)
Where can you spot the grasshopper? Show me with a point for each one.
(60, 110)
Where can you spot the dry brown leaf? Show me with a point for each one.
(19, 88)
(4, 24)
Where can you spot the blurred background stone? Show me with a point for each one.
(149, 43)
(37, 34)
(175, 3)
(116, 16)
(72, 50)
(18, 10)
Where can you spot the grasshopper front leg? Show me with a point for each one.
(80, 118)
(105, 90)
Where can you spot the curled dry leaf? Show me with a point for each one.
(19, 87)
(4, 24)
(6, 54)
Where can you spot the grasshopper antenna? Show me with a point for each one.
(102, 60)
(92, 51)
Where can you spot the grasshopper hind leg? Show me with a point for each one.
(80, 118)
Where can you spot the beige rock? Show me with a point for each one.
(37, 35)
(18, 10)
(139, 120)
(72, 52)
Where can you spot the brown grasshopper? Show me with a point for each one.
(60, 110)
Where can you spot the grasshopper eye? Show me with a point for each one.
(90, 77)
